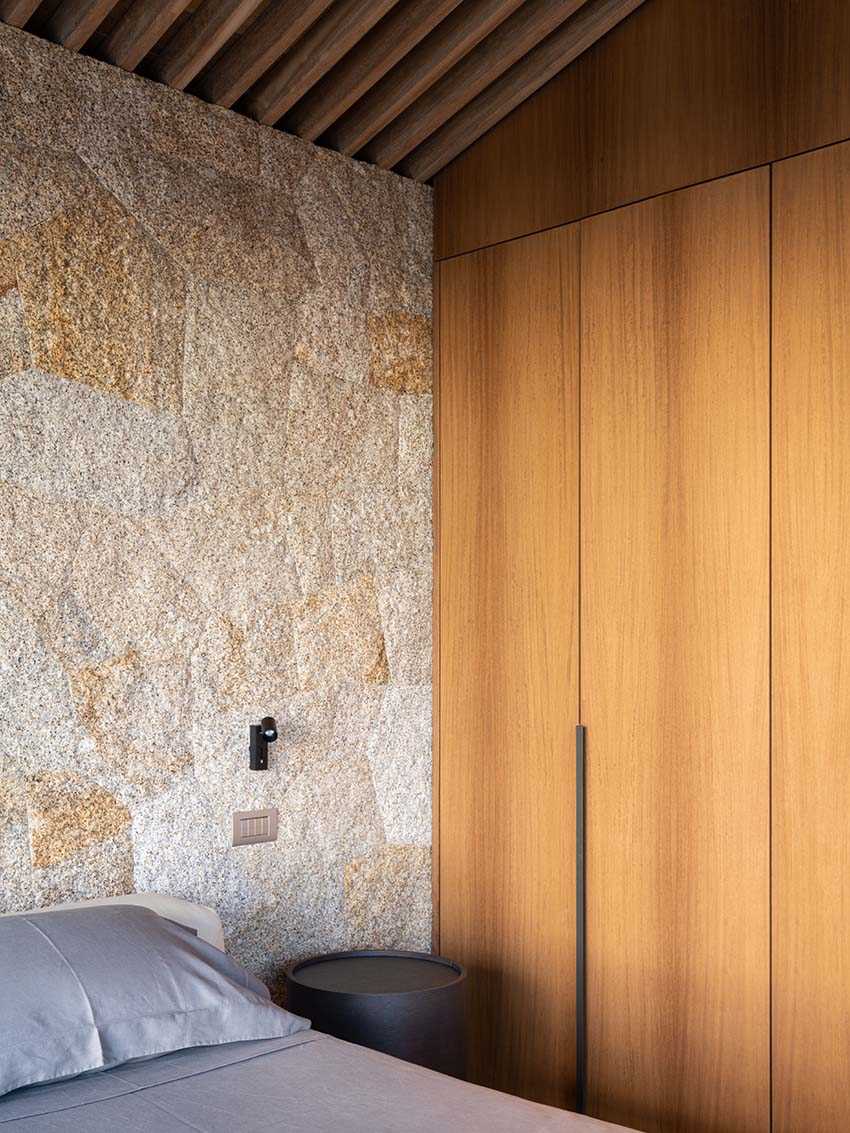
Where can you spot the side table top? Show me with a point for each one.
(376, 972)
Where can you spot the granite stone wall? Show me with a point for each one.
(215, 504)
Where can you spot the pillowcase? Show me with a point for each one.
(87, 989)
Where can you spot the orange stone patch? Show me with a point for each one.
(66, 814)
(103, 303)
(104, 699)
(400, 351)
(379, 674)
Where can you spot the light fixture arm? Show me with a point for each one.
(259, 737)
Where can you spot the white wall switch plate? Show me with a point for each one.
(251, 826)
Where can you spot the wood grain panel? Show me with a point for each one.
(623, 128)
(811, 642)
(682, 91)
(674, 657)
(811, 74)
(508, 639)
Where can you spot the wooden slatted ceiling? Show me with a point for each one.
(365, 64)
(505, 45)
(446, 45)
(323, 45)
(252, 54)
(75, 21)
(404, 84)
(199, 39)
(17, 12)
(142, 25)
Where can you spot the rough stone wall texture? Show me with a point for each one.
(215, 451)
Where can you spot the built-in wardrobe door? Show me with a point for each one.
(811, 642)
(507, 655)
(675, 657)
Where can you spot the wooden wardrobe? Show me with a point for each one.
(643, 485)
(811, 642)
(508, 659)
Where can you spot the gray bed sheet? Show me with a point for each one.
(307, 1082)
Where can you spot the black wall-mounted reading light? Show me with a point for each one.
(261, 735)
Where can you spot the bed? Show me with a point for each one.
(298, 1082)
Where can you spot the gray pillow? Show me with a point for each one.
(86, 989)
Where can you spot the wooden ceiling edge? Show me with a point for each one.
(553, 55)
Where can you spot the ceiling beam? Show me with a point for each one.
(17, 12)
(447, 44)
(272, 33)
(522, 31)
(75, 21)
(518, 84)
(144, 22)
(366, 63)
(343, 25)
(199, 39)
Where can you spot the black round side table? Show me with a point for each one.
(408, 1004)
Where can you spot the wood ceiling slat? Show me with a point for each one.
(269, 37)
(343, 25)
(367, 62)
(75, 21)
(437, 53)
(522, 31)
(17, 12)
(199, 39)
(144, 22)
(516, 85)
